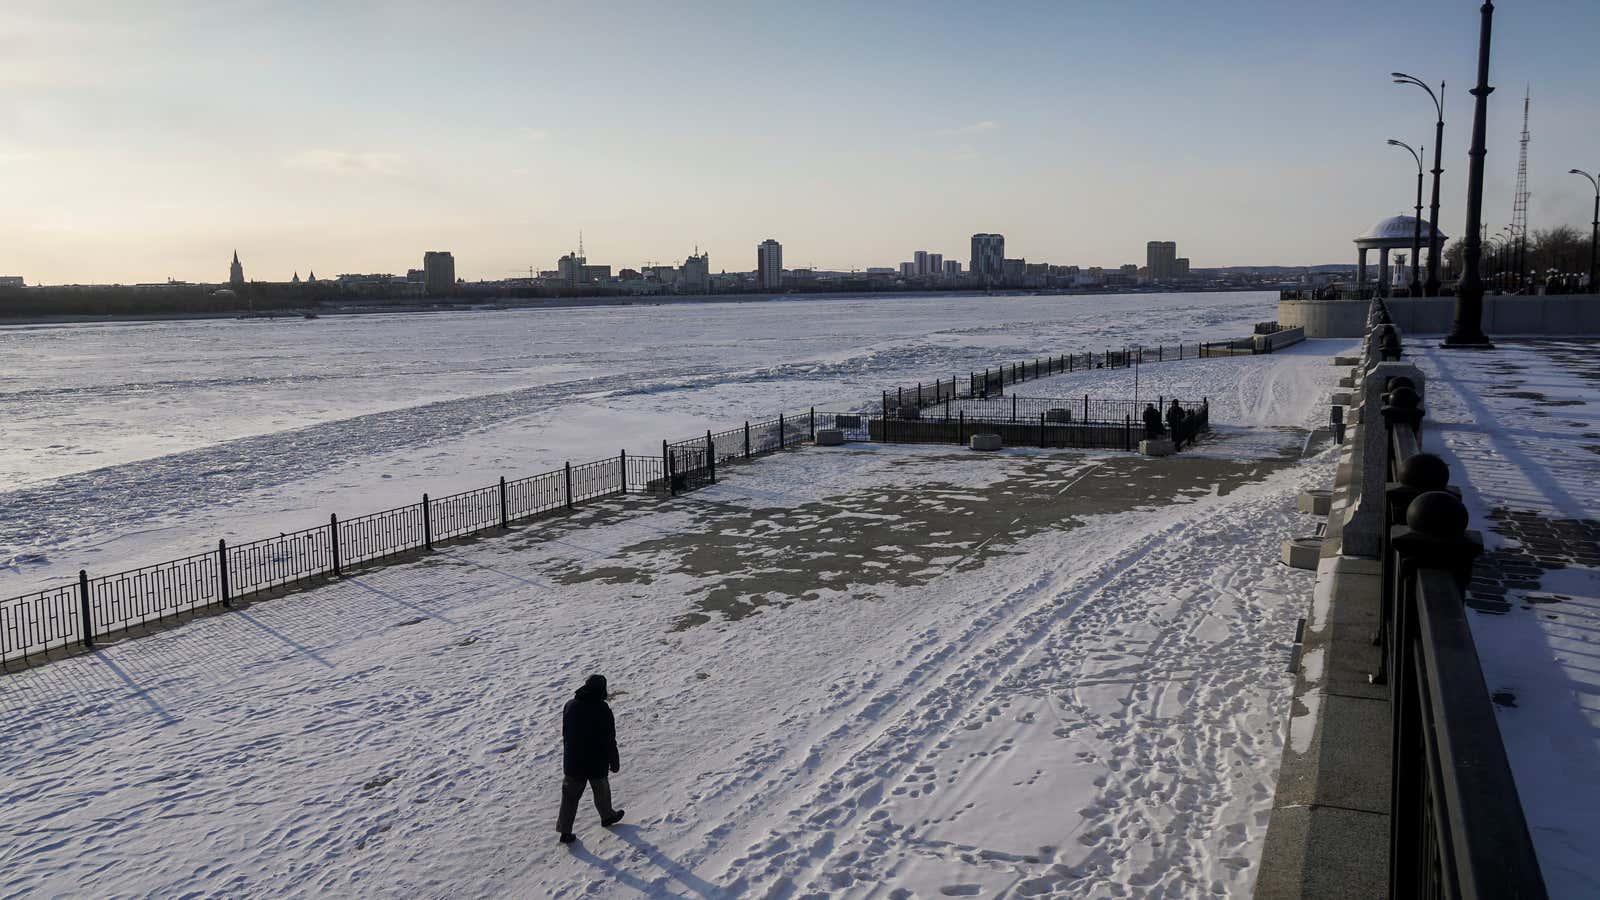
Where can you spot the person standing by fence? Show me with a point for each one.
(589, 750)
(1152, 422)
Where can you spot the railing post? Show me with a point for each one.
(711, 457)
(1085, 408)
(83, 601)
(814, 424)
(886, 404)
(781, 429)
(919, 395)
(222, 571)
(961, 428)
(1041, 430)
(1127, 432)
(333, 537)
(505, 508)
(746, 438)
(666, 469)
(1013, 407)
(622, 467)
(567, 467)
(427, 523)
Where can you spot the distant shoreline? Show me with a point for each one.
(584, 302)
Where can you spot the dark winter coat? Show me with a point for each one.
(1174, 416)
(1152, 421)
(589, 732)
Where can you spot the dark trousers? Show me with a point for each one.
(572, 792)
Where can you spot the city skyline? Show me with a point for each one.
(145, 143)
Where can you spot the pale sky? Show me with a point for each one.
(141, 140)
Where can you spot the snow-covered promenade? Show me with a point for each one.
(875, 671)
(1520, 428)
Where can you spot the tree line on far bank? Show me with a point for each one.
(1563, 250)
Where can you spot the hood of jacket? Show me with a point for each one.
(593, 689)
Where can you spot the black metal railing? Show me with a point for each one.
(993, 381)
(1457, 827)
(1085, 423)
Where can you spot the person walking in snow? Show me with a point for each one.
(1174, 415)
(589, 750)
(1152, 422)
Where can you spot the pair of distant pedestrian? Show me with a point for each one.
(589, 755)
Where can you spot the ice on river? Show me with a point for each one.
(130, 443)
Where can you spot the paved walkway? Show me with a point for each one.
(1520, 428)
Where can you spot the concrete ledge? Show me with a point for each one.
(1319, 852)
(829, 437)
(1156, 447)
(985, 442)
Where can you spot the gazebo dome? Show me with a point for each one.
(1396, 231)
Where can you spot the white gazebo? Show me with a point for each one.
(1393, 233)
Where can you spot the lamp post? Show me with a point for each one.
(1508, 259)
(1432, 287)
(1467, 331)
(1594, 233)
(1496, 245)
(1416, 234)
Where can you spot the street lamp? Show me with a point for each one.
(1416, 234)
(1594, 233)
(1508, 258)
(1497, 262)
(1467, 330)
(1432, 289)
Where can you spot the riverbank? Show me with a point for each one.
(550, 303)
(837, 670)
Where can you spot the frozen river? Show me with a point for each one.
(130, 443)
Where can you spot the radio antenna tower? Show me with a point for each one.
(1519, 206)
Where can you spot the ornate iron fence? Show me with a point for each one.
(1456, 825)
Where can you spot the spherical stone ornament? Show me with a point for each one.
(1400, 381)
(1425, 472)
(1404, 398)
(1438, 514)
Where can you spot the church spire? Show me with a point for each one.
(236, 272)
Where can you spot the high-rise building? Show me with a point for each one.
(952, 268)
(438, 272)
(695, 277)
(908, 270)
(1181, 267)
(236, 272)
(935, 263)
(988, 257)
(769, 264)
(571, 269)
(920, 262)
(1161, 258)
(13, 281)
(1012, 271)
